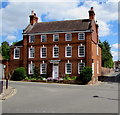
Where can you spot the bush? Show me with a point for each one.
(36, 74)
(19, 74)
(85, 75)
(73, 77)
(67, 77)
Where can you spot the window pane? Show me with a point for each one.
(31, 68)
(43, 68)
(69, 51)
(81, 51)
(56, 51)
(56, 37)
(31, 52)
(80, 67)
(43, 38)
(81, 36)
(32, 39)
(68, 68)
(43, 51)
(17, 53)
(68, 37)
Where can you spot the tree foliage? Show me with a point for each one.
(5, 50)
(107, 60)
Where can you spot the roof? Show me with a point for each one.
(20, 43)
(58, 26)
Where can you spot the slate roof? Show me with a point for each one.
(58, 26)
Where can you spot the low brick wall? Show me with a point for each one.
(1, 87)
(105, 71)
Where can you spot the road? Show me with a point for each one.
(57, 98)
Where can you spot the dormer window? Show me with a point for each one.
(31, 39)
(68, 37)
(16, 53)
(43, 38)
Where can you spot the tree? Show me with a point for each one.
(5, 48)
(107, 60)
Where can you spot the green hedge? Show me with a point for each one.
(19, 74)
(85, 75)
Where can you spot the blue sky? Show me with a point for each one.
(15, 17)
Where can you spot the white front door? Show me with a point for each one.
(55, 71)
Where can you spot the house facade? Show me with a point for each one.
(59, 47)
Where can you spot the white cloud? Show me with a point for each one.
(115, 46)
(11, 38)
(115, 55)
(16, 15)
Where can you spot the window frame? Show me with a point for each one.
(45, 38)
(29, 67)
(54, 52)
(30, 52)
(30, 41)
(66, 37)
(67, 51)
(42, 52)
(79, 51)
(54, 37)
(79, 66)
(41, 69)
(66, 71)
(15, 52)
(83, 36)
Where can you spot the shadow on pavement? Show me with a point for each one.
(115, 79)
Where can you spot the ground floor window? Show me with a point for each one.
(68, 68)
(31, 68)
(80, 67)
(43, 67)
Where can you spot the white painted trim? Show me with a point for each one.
(66, 37)
(29, 65)
(66, 68)
(41, 37)
(29, 52)
(79, 66)
(53, 71)
(56, 32)
(84, 51)
(54, 37)
(97, 67)
(41, 68)
(66, 51)
(97, 50)
(81, 33)
(41, 52)
(53, 52)
(14, 53)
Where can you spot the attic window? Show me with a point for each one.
(31, 39)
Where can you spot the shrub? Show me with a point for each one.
(36, 74)
(74, 77)
(19, 74)
(67, 77)
(85, 75)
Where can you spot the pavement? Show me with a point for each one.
(7, 93)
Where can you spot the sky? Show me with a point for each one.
(14, 17)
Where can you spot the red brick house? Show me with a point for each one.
(59, 47)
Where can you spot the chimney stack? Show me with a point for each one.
(91, 14)
(33, 18)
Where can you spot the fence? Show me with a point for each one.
(105, 71)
